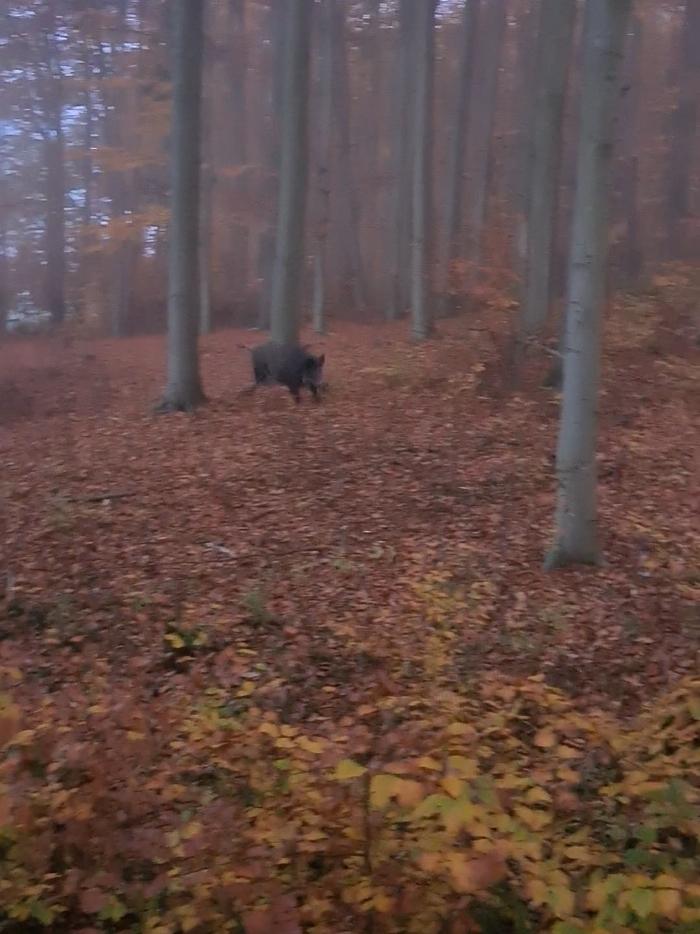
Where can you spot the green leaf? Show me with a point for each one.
(641, 901)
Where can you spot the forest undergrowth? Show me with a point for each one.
(298, 668)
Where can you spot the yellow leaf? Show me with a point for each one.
(347, 769)
(567, 752)
(579, 854)
(561, 901)
(545, 739)
(269, 729)
(461, 729)
(382, 788)
(246, 689)
(408, 792)
(537, 892)
(535, 820)
(430, 862)
(667, 902)
(382, 903)
(567, 775)
(193, 829)
(175, 640)
(314, 746)
(453, 786)
(428, 763)
(538, 795)
(463, 767)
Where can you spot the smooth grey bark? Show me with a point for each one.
(323, 194)
(289, 251)
(683, 130)
(403, 161)
(455, 167)
(89, 124)
(576, 535)
(55, 163)
(481, 129)
(184, 388)
(238, 76)
(207, 188)
(421, 297)
(556, 30)
(54, 149)
(632, 252)
(522, 106)
(348, 198)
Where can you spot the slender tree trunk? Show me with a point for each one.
(486, 92)
(518, 163)
(421, 298)
(684, 122)
(403, 161)
(576, 538)
(352, 253)
(455, 167)
(289, 254)
(325, 120)
(89, 122)
(556, 30)
(278, 14)
(631, 257)
(56, 223)
(184, 389)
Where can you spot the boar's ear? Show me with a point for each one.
(321, 360)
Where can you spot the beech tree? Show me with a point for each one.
(184, 389)
(422, 170)
(289, 253)
(576, 537)
(556, 28)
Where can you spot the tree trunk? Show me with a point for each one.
(455, 168)
(348, 199)
(521, 114)
(289, 252)
(684, 121)
(629, 215)
(556, 30)
(184, 388)
(576, 537)
(54, 148)
(325, 120)
(421, 298)
(403, 159)
(486, 92)
(207, 187)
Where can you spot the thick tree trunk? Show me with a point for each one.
(556, 30)
(455, 168)
(289, 255)
(184, 389)
(576, 537)
(483, 112)
(684, 122)
(421, 297)
(207, 188)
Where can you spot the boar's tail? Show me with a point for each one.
(244, 347)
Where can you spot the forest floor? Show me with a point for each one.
(304, 557)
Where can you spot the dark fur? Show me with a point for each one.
(288, 365)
